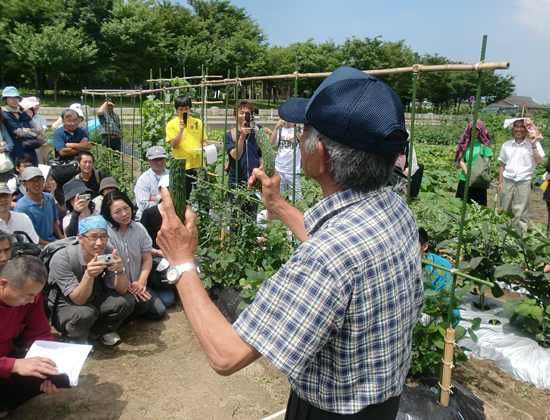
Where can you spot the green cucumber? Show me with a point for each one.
(177, 187)
(268, 155)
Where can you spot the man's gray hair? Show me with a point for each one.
(21, 269)
(351, 168)
(68, 113)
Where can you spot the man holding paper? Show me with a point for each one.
(22, 314)
(186, 135)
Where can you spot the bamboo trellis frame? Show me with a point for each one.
(479, 67)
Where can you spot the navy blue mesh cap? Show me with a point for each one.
(353, 108)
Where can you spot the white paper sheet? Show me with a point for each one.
(210, 152)
(69, 358)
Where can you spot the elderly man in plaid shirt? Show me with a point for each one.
(338, 317)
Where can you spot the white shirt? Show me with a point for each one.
(518, 159)
(19, 222)
(12, 185)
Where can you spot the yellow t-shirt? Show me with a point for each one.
(190, 140)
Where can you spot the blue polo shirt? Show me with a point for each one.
(61, 137)
(42, 217)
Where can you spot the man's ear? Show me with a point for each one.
(324, 166)
(425, 247)
(4, 283)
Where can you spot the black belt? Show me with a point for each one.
(298, 409)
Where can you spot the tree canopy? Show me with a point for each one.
(115, 43)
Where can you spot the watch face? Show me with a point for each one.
(172, 274)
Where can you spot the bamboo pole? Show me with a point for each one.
(481, 66)
(465, 199)
(448, 365)
(183, 78)
(411, 145)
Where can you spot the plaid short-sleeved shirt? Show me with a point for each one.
(338, 317)
(109, 124)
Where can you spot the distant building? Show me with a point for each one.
(516, 101)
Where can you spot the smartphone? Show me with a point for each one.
(247, 119)
(106, 259)
(185, 118)
(86, 197)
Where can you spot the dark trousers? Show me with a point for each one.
(102, 315)
(479, 195)
(113, 143)
(16, 389)
(298, 409)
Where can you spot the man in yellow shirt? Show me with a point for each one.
(186, 135)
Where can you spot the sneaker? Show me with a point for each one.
(110, 339)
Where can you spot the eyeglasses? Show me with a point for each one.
(72, 121)
(94, 238)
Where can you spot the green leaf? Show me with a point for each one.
(509, 271)
(472, 335)
(475, 262)
(440, 344)
(464, 290)
(497, 291)
(476, 324)
(531, 324)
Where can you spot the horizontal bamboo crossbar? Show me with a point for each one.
(417, 68)
(458, 273)
(183, 78)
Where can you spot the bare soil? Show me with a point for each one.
(160, 372)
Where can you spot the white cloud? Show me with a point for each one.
(534, 15)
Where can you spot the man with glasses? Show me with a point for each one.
(70, 139)
(93, 298)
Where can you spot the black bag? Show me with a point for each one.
(21, 244)
(30, 144)
(157, 279)
(64, 169)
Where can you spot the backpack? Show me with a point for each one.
(96, 174)
(46, 256)
(22, 244)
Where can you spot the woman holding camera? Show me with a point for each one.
(79, 205)
(133, 245)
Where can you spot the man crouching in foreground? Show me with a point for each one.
(22, 313)
(338, 317)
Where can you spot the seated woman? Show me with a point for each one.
(133, 245)
(78, 208)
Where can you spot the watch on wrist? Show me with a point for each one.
(174, 272)
(121, 272)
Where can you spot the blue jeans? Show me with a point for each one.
(152, 308)
(167, 296)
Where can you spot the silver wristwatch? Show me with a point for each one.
(173, 274)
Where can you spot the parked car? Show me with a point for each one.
(500, 109)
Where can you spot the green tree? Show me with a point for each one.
(55, 51)
(374, 54)
(136, 41)
(219, 36)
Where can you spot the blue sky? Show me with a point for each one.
(518, 30)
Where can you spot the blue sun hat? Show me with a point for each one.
(90, 223)
(355, 109)
(11, 92)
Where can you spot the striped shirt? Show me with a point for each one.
(338, 317)
(147, 185)
(109, 124)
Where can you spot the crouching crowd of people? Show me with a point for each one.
(99, 273)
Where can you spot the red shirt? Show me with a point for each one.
(29, 320)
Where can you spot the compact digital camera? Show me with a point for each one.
(107, 259)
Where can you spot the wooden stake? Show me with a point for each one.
(445, 384)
